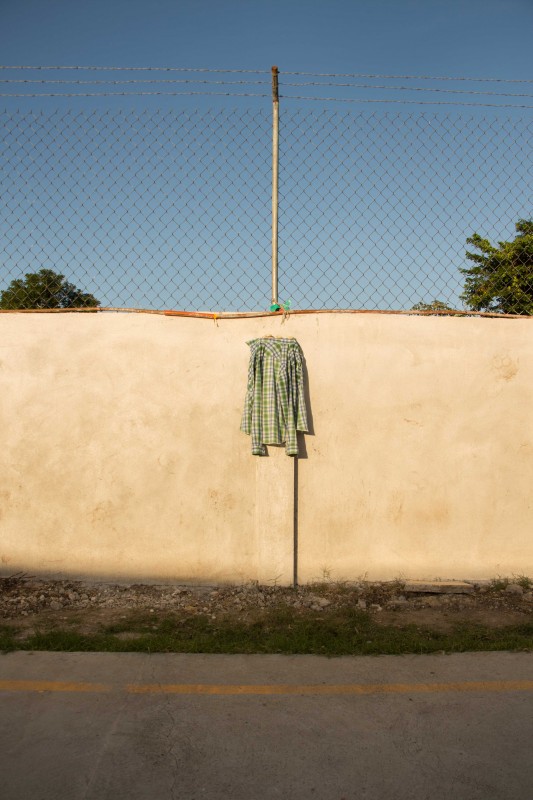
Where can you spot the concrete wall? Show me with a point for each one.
(121, 456)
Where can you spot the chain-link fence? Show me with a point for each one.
(173, 210)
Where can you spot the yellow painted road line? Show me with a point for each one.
(52, 686)
(331, 689)
(314, 690)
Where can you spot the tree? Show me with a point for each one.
(502, 278)
(45, 289)
(436, 305)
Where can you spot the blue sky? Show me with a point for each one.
(165, 201)
(451, 37)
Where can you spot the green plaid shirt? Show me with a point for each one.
(274, 408)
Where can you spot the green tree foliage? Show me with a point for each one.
(45, 289)
(435, 306)
(501, 279)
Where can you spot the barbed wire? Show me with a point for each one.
(181, 81)
(405, 88)
(134, 94)
(133, 80)
(148, 69)
(408, 77)
(46, 82)
(265, 71)
(406, 102)
(264, 94)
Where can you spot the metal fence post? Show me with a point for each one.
(275, 173)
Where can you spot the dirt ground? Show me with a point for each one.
(31, 605)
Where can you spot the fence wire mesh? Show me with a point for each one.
(173, 210)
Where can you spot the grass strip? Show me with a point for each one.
(348, 632)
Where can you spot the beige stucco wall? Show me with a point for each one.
(121, 455)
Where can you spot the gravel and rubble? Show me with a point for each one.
(24, 595)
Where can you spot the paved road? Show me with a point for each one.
(135, 726)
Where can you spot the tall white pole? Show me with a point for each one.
(275, 173)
